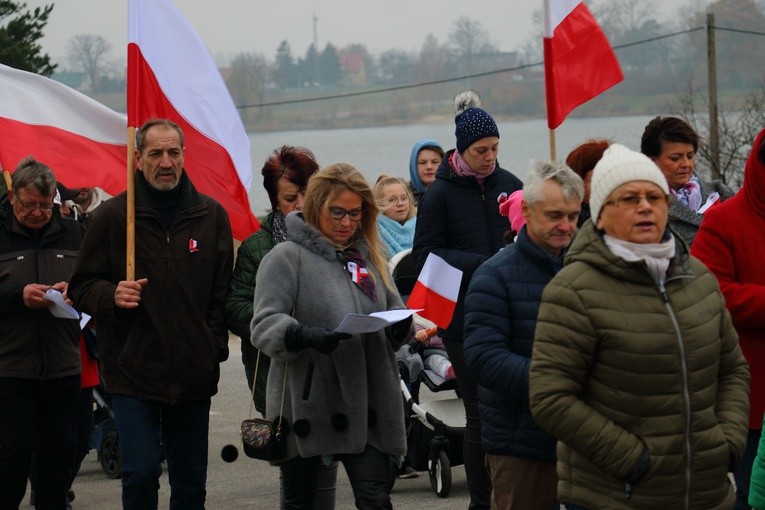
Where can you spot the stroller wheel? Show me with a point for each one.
(109, 455)
(440, 473)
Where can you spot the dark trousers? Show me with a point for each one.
(478, 480)
(39, 416)
(370, 474)
(85, 428)
(144, 429)
(743, 472)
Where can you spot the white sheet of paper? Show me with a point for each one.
(356, 323)
(60, 308)
(711, 199)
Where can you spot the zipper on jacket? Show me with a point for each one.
(487, 220)
(686, 392)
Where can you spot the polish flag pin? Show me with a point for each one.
(193, 246)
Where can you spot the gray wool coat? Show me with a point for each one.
(334, 403)
(685, 222)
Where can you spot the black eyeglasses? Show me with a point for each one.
(634, 200)
(338, 213)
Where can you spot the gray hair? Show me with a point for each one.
(29, 171)
(557, 171)
(140, 133)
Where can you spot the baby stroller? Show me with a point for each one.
(104, 438)
(436, 428)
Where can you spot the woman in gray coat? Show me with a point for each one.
(342, 400)
(673, 145)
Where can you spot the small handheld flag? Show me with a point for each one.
(436, 291)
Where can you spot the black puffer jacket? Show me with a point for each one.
(459, 221)
(33, 343)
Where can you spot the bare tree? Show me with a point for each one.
(469, 39)
(739, 124)
(434, 60)
(88, 53)
(250, 73)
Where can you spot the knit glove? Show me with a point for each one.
(398, 331)
(324, 340)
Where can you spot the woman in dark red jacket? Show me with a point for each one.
(731, 243)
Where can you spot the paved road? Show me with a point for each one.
(249, 483)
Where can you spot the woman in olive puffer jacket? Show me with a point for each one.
(636, 367)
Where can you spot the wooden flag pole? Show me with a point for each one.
(8, 181)
(552, 145)
(130, 225)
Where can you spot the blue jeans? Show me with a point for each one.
(38, 416)
(144, 429)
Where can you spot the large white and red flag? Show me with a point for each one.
(436, 291)
(171, 75)
(80, 139)
(579, 61)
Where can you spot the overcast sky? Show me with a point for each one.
(229, 27)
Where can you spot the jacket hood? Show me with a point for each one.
(754, 178)
(414, 177)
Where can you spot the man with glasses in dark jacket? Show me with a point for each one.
(39, 351)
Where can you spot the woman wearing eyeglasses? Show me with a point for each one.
(636, 367)
(342, 400)
(673, 145)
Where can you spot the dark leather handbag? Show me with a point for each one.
(263, 439)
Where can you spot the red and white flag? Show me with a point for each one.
(171, 75)
(436, 291)
(579, 60)
(81, 140)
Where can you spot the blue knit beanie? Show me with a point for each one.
(472, 123)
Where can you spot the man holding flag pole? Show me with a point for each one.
(161, 336)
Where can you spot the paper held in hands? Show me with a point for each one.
(60, 308)
(355, 323)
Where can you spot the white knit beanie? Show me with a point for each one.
(620, 165)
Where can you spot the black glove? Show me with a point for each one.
(324, 340)
(398, 331)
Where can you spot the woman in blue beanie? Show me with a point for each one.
(458, 219)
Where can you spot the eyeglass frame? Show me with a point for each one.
(333, 213)
(31, 207)
(627, 199)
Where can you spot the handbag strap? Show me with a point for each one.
(254, 385)
(284, 382)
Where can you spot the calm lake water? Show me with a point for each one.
(386, 149)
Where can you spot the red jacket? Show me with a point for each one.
(731, 242)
